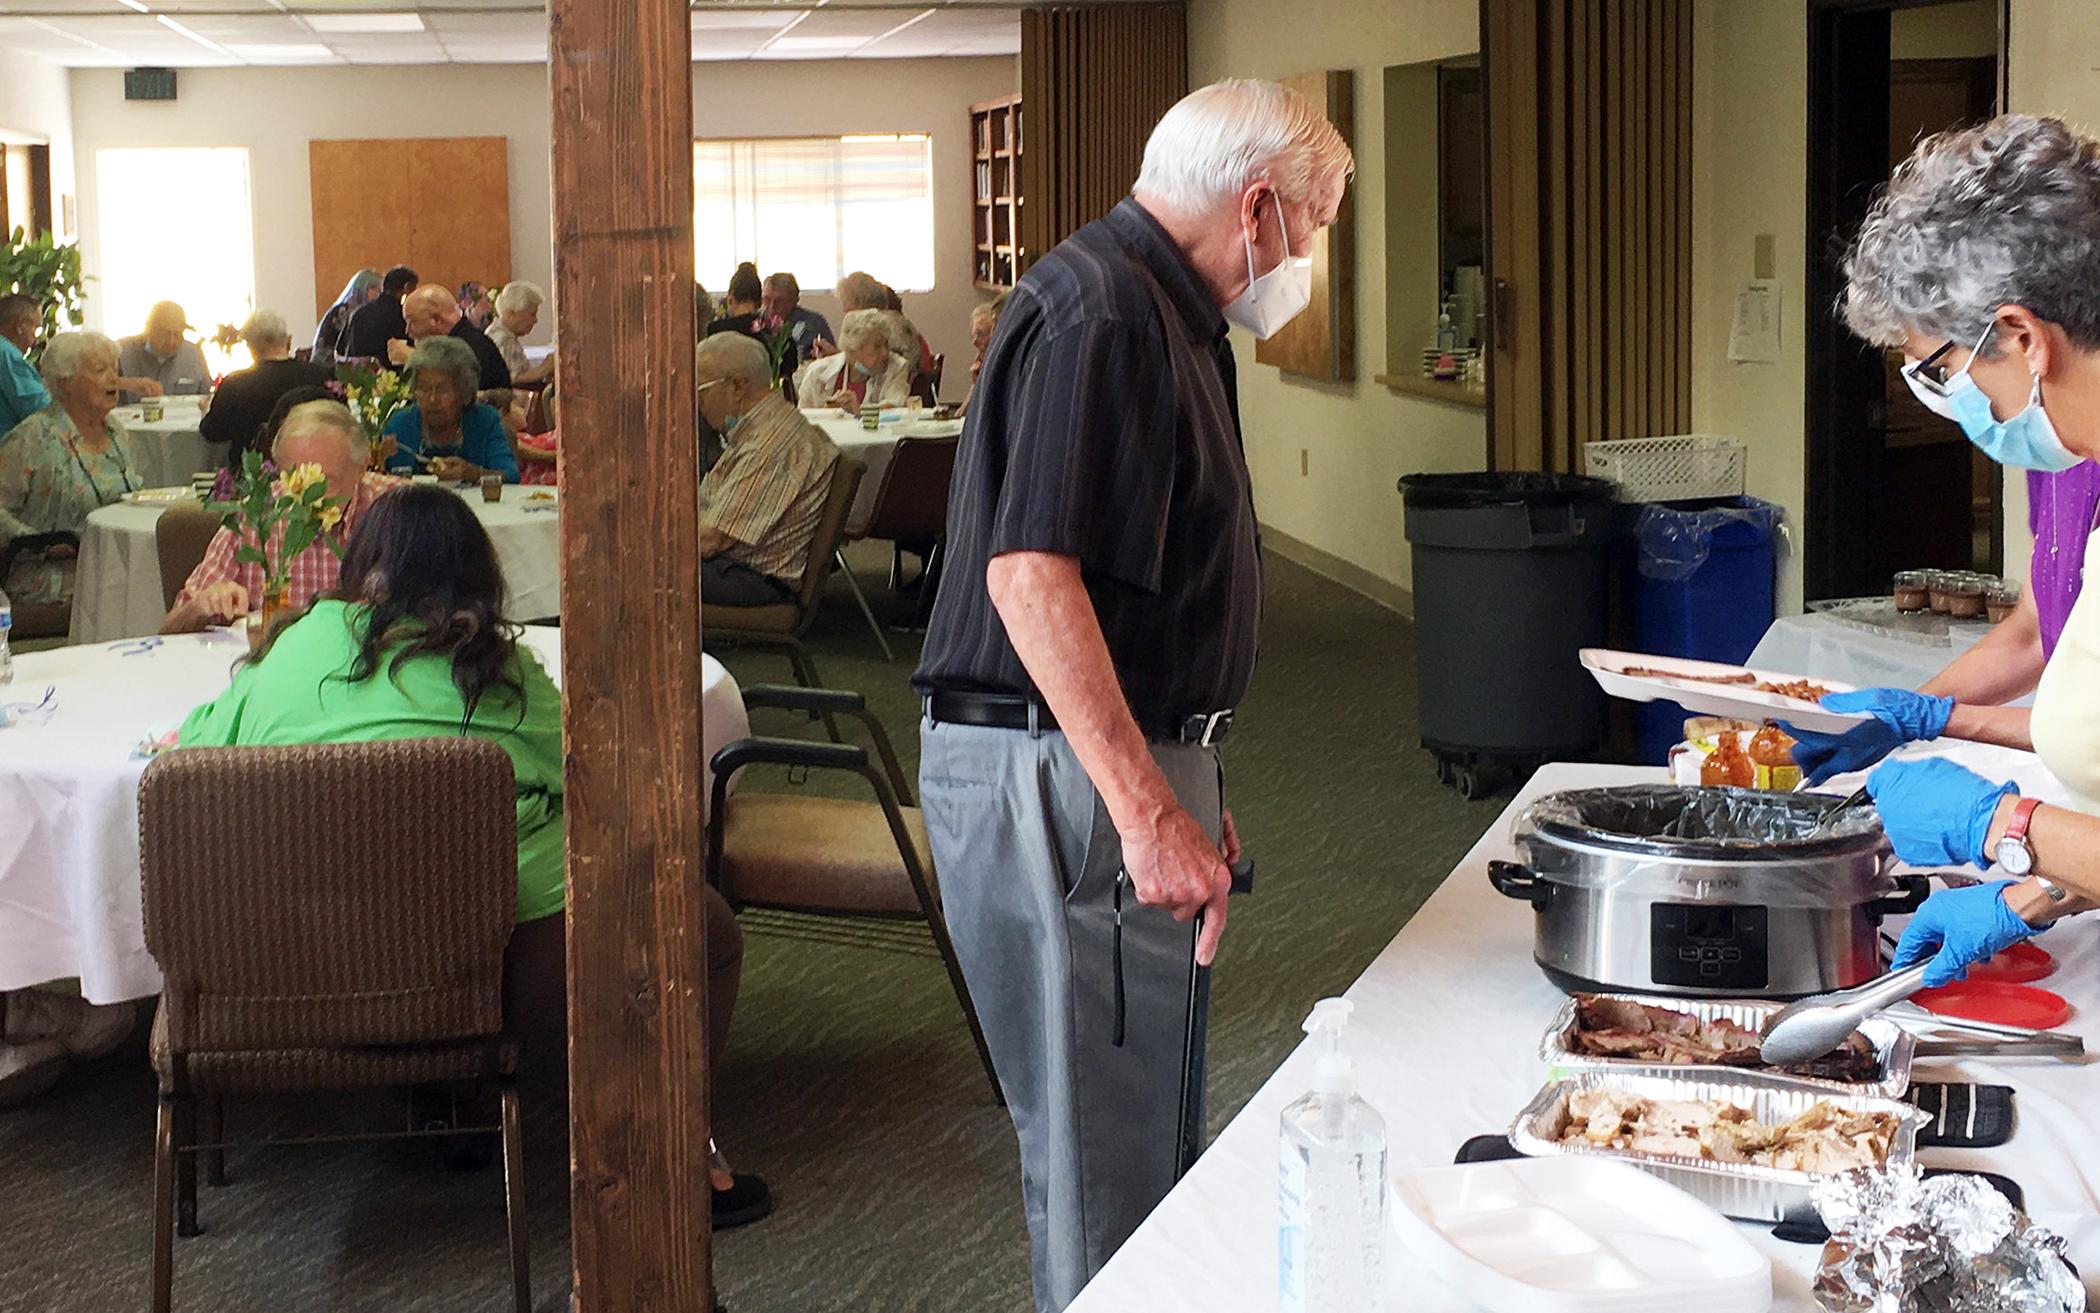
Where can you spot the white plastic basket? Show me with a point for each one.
(1670, 469)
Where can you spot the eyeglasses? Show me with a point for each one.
(1933, 372)
(708, 384)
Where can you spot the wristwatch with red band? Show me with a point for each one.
(2014, 853)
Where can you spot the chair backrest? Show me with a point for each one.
(831, 527)
(912, 503)
(926, 383)
(329, 895)
(181, 536)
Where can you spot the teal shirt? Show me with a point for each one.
(22, 391)
(300, 694)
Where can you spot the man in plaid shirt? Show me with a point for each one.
(221, 589)
(760, 504)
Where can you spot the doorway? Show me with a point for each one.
(1890, 486)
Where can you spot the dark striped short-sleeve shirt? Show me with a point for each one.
(1105, 426)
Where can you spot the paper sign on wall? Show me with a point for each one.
(1754, 336)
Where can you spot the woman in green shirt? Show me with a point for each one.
(412, 643)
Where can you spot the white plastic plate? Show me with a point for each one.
(162, 496)
(933, 428)
(1573, 1235)
(1742, 702)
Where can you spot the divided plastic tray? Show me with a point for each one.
(1740, 1190)
(1894, 1048)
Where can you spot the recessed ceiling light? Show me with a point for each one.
(289, 50)
(364, 22)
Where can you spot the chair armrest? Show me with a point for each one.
(35, 542)
(733, 757)
(793, 697)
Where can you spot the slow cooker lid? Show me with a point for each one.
(1668, 820)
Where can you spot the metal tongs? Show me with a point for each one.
(1811, 1027)
(1984, 1038)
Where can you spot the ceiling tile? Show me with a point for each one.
(514, 26)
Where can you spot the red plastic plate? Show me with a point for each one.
(1995, 1001)
(2021, 964)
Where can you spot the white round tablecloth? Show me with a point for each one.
(1818, 647)
(170, 449)
(69, 843)
(870, 449)
(116, 589)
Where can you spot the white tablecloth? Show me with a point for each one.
(1446, 1032)
(69, 841)
(1818, 647)
(116, 590)
(170, 449)
(870, 449)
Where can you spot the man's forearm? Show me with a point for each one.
(1050, 621)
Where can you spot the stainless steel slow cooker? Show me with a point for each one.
(1662, 889)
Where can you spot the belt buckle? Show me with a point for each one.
(1214, 726)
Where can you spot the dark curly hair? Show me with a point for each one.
(425, 570)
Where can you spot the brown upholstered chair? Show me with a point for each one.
(326, 917)
(911, 506)
(829, 856)
(38, 619)
(181, 537)
(779, 627)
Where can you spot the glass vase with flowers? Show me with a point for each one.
(274, 515)
(373, 395)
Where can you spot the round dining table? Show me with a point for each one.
(72, 726)
(116, 584)
(872, 448)
(170, 449)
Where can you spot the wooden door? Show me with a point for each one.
(440, 205)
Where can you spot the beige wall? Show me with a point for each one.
(34, 106)
(1357, 438)
(275, 112)
(1967, 29)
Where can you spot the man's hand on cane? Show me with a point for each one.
(1173, 864)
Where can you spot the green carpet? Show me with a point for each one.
(850, 1083)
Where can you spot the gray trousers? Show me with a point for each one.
(1028, 862)
(724, 582)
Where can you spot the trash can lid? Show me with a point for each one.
(1502, 488)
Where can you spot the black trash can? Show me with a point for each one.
(1511, 578)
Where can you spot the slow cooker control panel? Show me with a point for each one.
(1708, 946)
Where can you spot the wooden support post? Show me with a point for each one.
(621, 81)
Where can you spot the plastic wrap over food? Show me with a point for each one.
(1902, 1244)
(1672, 815)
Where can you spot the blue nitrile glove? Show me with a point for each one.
(1957, 928)
(1935, 812)
(1900, 716)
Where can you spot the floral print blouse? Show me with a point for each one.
(48, 484)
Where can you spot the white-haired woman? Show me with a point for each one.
(1981, 263)
(447, 432)
(243, 403)
(867, 366)
(62, 462)
(517, 314)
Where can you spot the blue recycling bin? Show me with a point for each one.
(1700, 584)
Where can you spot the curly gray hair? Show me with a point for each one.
(2005, 213)
(448, 355)
(66, 354)
(859, 326)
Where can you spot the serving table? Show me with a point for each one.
(1445, 1032)
(1819, 647)
(69, 828)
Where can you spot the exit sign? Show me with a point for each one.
(149, 84)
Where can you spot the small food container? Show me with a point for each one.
(152, 410)
(492, 487)
(1965, 597)
(2000, 602)
(1741, 1190)
(1913, 591)
(1894, 1048)
(1939, 586)
(424, 480)
(870, 416)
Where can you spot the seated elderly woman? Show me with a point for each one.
(517, 314)
(62, 462)
(447, 432)
(362, 287)
(412, 643)
(867, 366)
(984, 317)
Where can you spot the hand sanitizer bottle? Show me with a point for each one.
(1332, 1238)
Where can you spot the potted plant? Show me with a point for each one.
(48, 271)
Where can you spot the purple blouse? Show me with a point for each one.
(2060, 510)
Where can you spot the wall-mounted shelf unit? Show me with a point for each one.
(995, 193)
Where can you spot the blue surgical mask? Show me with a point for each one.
(2026, 441)
(862, 371)
(729, 423)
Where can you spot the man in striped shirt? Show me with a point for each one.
(760, 504)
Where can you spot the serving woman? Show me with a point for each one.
(62, 462)
(866, 367)
(447, 432)
(1981, 262)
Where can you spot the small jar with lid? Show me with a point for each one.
(2000, 601)
(1939, 590)
(1913, 590)
(1965, 596)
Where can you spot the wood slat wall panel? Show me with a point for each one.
(1094, 81)
(1589, 110)
(450, 234)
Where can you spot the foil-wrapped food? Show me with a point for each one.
(1900, 1243)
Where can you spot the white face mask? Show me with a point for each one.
(1275, 298)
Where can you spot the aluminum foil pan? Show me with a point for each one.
(1739, 1190)
(1894, 1048)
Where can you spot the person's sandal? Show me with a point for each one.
(747, 1200)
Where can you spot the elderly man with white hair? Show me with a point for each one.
(1098, 626)
(517, 314)
(867, 367)
(432, 311)
(760, 503)
(244, 401)
(22, 390)
(223, 588)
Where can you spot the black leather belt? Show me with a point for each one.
(1016, 711)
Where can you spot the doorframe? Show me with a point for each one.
(1844, 376)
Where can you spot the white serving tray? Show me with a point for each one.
(1575, 1235)
(1607, 667)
